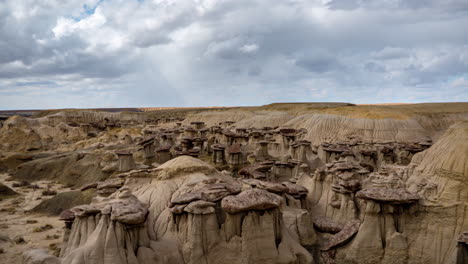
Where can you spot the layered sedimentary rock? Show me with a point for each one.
(408, 214)
(319, 126)
(53, 131)
(440, 178)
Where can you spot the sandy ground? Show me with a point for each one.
(16, 222)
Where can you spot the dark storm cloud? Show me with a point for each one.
(319, 63)
(374, 67)
(85, 53)
(389, 53)
(446, 5)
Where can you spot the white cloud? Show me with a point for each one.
(249, 48)
(66, 26)
(461, 82)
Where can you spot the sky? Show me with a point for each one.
(153, 53)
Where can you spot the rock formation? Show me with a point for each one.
(185, 212)
(126, 162)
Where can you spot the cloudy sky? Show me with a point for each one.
(131, 53)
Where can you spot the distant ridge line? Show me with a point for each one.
(145, 109)
(118, 109)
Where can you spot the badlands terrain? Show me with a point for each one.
(280, 183)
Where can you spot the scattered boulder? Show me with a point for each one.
(39, 256)
(327, 225)
(6, 192)
(4, 238)
(19, 240)
(340, 238)
(63, 201)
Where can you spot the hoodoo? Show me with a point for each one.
(126, 161)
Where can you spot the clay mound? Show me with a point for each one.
(63, 201)
(20, 122)
(13, 160)
(332, 128)
(61, 129)
(17, 134)
(449, 154)
(443, 167)
(265, 119)
(20, 134)
(214, 118)
(6, 192)
(74, 168)
(438, 124)
(183, 165)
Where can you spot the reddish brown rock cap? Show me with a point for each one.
(252, 199)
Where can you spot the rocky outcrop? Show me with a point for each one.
(195, 215)
(295, 187)
(106, 231)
